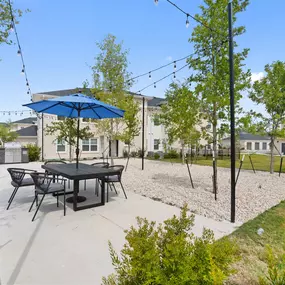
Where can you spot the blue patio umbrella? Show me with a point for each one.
(76, 106)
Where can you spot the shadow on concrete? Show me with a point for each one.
(25, 253)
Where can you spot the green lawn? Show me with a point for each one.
(260, 162)
(252, 245)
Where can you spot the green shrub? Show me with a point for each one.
(276, 269)
(156, 156)
(33, 152)
(172, 153)
(125, 153)
(141, 152)
(133, 154)
(170, 255)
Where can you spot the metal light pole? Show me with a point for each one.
(43, 137)
(232, 113)
(143, 133)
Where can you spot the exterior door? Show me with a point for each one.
(283, 148)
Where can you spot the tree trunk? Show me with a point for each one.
(215, 172)
(271, 155)
(183, 152)
(70, 153)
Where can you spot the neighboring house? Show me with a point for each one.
(280, 145)
(26, 129)
(27, 135)
(155, 135)
(250, 143)
(23, 123)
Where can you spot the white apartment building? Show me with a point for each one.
(154, 139)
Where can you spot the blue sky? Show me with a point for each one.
(58, 42)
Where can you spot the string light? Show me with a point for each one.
(174, 75)
(187, 21)
(156, 2)
(154, 84)
(175, 65)
(19, 52)
(158, 68)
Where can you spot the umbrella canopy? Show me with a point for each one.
(76, 106)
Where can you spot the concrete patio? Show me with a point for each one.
(73, 249)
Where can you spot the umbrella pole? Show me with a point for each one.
(77, 143)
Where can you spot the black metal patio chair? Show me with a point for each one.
(56, 161)
(44, 185)
(110, 180)
(98, 164)
(19, 180)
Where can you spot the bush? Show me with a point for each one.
(141, 152)
(33, 152)
(125, 153)
(156, 156)
(276, 270)
(172, 153)
(133, 154)
(170, 254)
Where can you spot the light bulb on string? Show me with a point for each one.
(23, 71)
(19, 52)
(175, 65)
(174, 75)
(187, 21)
(27, 83)
(154, 85)
(11, 29)
(156, 2)
(149, 75)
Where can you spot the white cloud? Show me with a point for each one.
(256, 76)
(169, 58)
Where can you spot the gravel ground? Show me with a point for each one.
(170, 183)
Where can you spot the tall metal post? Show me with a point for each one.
(232, 113)
(143, 133)
(42, 137)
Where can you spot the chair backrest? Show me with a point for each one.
(17, 174)
(42, 180)
(120, 169)
(101, 164)
(56, 161)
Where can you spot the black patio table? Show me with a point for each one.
(84, 171)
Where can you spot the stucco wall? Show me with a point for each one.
(26, 140)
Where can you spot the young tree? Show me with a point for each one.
(131, 122)
(6, 20)
(211, 66)
(6, 134)
(110, 85)
(180, 115)
(270, 92)
(66, 130)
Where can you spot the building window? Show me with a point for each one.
(90, 145)
(60, 118)
(256, 146)
(249, 146)
(264, 146)
(156, 144)
(60, 146)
